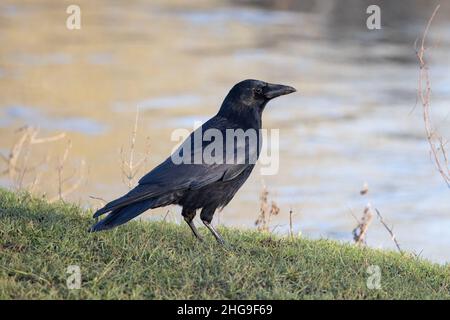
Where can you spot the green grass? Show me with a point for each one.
(158, 260)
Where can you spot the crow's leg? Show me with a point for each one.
(189, 217)
(214, 232)
(206, 215)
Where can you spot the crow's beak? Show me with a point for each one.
(275, 90)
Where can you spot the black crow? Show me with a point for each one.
(195, 182)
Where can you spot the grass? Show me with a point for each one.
(158, 260)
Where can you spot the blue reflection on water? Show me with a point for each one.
(34, 117)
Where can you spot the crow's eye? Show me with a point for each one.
(258, 90)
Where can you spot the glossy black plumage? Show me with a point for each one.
(205, 186)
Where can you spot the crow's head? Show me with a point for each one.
(251, 96)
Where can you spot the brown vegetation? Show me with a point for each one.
(435, 140)
(26, 173)
(131, 167)
(266, 212)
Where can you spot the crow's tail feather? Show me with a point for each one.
(122, 215)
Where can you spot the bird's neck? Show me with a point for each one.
(244, 116)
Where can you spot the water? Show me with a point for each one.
(14, 115)
(354, 119)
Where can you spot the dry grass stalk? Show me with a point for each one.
(99, 199)
(266, 211)
(17, 160)
(37, 179)
(60, 168)
(170, 216)
(18, 166)
(435, 140)
(14, 155)
(130, 168)
(74, 185)
(360, 232)
(390, 230)
(291, 226)
(12, 159)
(67, 185)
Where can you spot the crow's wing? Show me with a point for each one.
(169, 177)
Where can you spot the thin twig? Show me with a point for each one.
(73, 186)
(130, 168)
(101, 200)
(57, 137)
(291, 228)
(266, 211)
(391, 232)
(360, 232)
(434, 138)
(17, 166)
(60, 169)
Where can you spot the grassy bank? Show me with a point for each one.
(160, 260)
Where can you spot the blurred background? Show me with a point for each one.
(354, 120)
